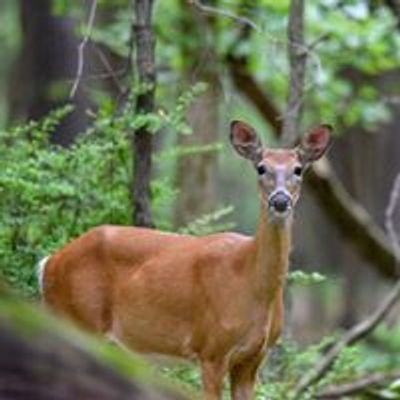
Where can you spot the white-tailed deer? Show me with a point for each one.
(216, 300)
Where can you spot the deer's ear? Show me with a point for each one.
(314, 144)
(245, 141)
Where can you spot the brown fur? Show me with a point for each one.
(215, 299)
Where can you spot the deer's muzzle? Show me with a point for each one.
(280, 201)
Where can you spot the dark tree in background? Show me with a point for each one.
(196, 174)
(45, 69)
(143, 137)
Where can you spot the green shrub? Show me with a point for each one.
(50, 194)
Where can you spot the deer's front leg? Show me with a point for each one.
(243, 378)
(212, 373)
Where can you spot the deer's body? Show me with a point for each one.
(120, 267)
(215, 299)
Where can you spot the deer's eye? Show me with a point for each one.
(298, 171)
(261, 169)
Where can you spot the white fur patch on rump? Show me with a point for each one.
(40, 271)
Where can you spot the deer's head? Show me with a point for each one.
(280, 171)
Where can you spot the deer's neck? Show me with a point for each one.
(272, 246)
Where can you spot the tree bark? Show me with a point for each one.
(142, 141)
(359, 385)
(297, 61)
(44, 69)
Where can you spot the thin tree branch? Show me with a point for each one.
(248, 86)
(357, 386)
(131, 40)
(358, 332)
(81, 48)
(118, 73)
(316, 42)
(218, 11)
(129, 60)
(111, 73)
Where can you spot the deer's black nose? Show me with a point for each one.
(280, 201)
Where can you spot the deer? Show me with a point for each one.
(216, 300)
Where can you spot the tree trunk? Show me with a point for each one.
(196, 174)
(142, 141)
(297, 61)
(45, 69)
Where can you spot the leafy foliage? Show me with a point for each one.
(50, 194)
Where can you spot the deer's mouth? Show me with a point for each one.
(280, 216)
